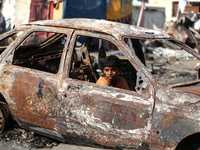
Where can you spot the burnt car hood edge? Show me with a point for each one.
(189, 87)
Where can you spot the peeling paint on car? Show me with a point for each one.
(63, 103)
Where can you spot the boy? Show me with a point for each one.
(111, 70)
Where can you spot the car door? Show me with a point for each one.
(101, 114)
(31, 75)
(7, 38)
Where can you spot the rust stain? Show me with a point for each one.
(155, 116)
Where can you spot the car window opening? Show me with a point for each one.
(5, 42)
(88, 58)
(41, 51)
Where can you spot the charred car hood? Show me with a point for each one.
(193, 87)
(179, 101)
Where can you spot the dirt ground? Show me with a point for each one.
(165, 72)
(18, 138)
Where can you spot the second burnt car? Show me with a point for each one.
(48, 71)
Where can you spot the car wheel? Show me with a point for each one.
(5, 117)
(190, 143)
(2, 120)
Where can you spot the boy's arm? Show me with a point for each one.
(123, 84)
(102, 81)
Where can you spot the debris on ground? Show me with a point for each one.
(184, 30)
(27, 139)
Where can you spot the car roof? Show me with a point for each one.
(108, 27)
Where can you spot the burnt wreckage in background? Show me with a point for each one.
(48, 71)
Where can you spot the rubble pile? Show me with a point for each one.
(172, 70)
(170, 75)
(27, 139)
(185, 30)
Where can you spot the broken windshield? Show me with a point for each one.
(169, 61)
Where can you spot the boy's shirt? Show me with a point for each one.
(121, 83)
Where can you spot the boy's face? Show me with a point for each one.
(111, 74)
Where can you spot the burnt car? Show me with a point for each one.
(48, 74)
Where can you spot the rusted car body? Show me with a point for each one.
(48, 75)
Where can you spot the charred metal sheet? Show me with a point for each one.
(43, 58)
(183, 32)
(104, 26)
(108, 119)
(169, 113)
(49, 89)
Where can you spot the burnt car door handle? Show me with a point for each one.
(73, 88)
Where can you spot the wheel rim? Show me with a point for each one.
(2, 121)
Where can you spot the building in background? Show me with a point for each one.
(156, 13)
(17, 12)
(152, 17)
(39, 10)
(169, 7)
(56, 9)
(7, 11)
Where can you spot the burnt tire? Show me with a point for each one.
(190, 143)
(5, 117)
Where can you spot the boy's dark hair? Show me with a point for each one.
(112, 61)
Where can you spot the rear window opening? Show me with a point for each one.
(41, 51)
